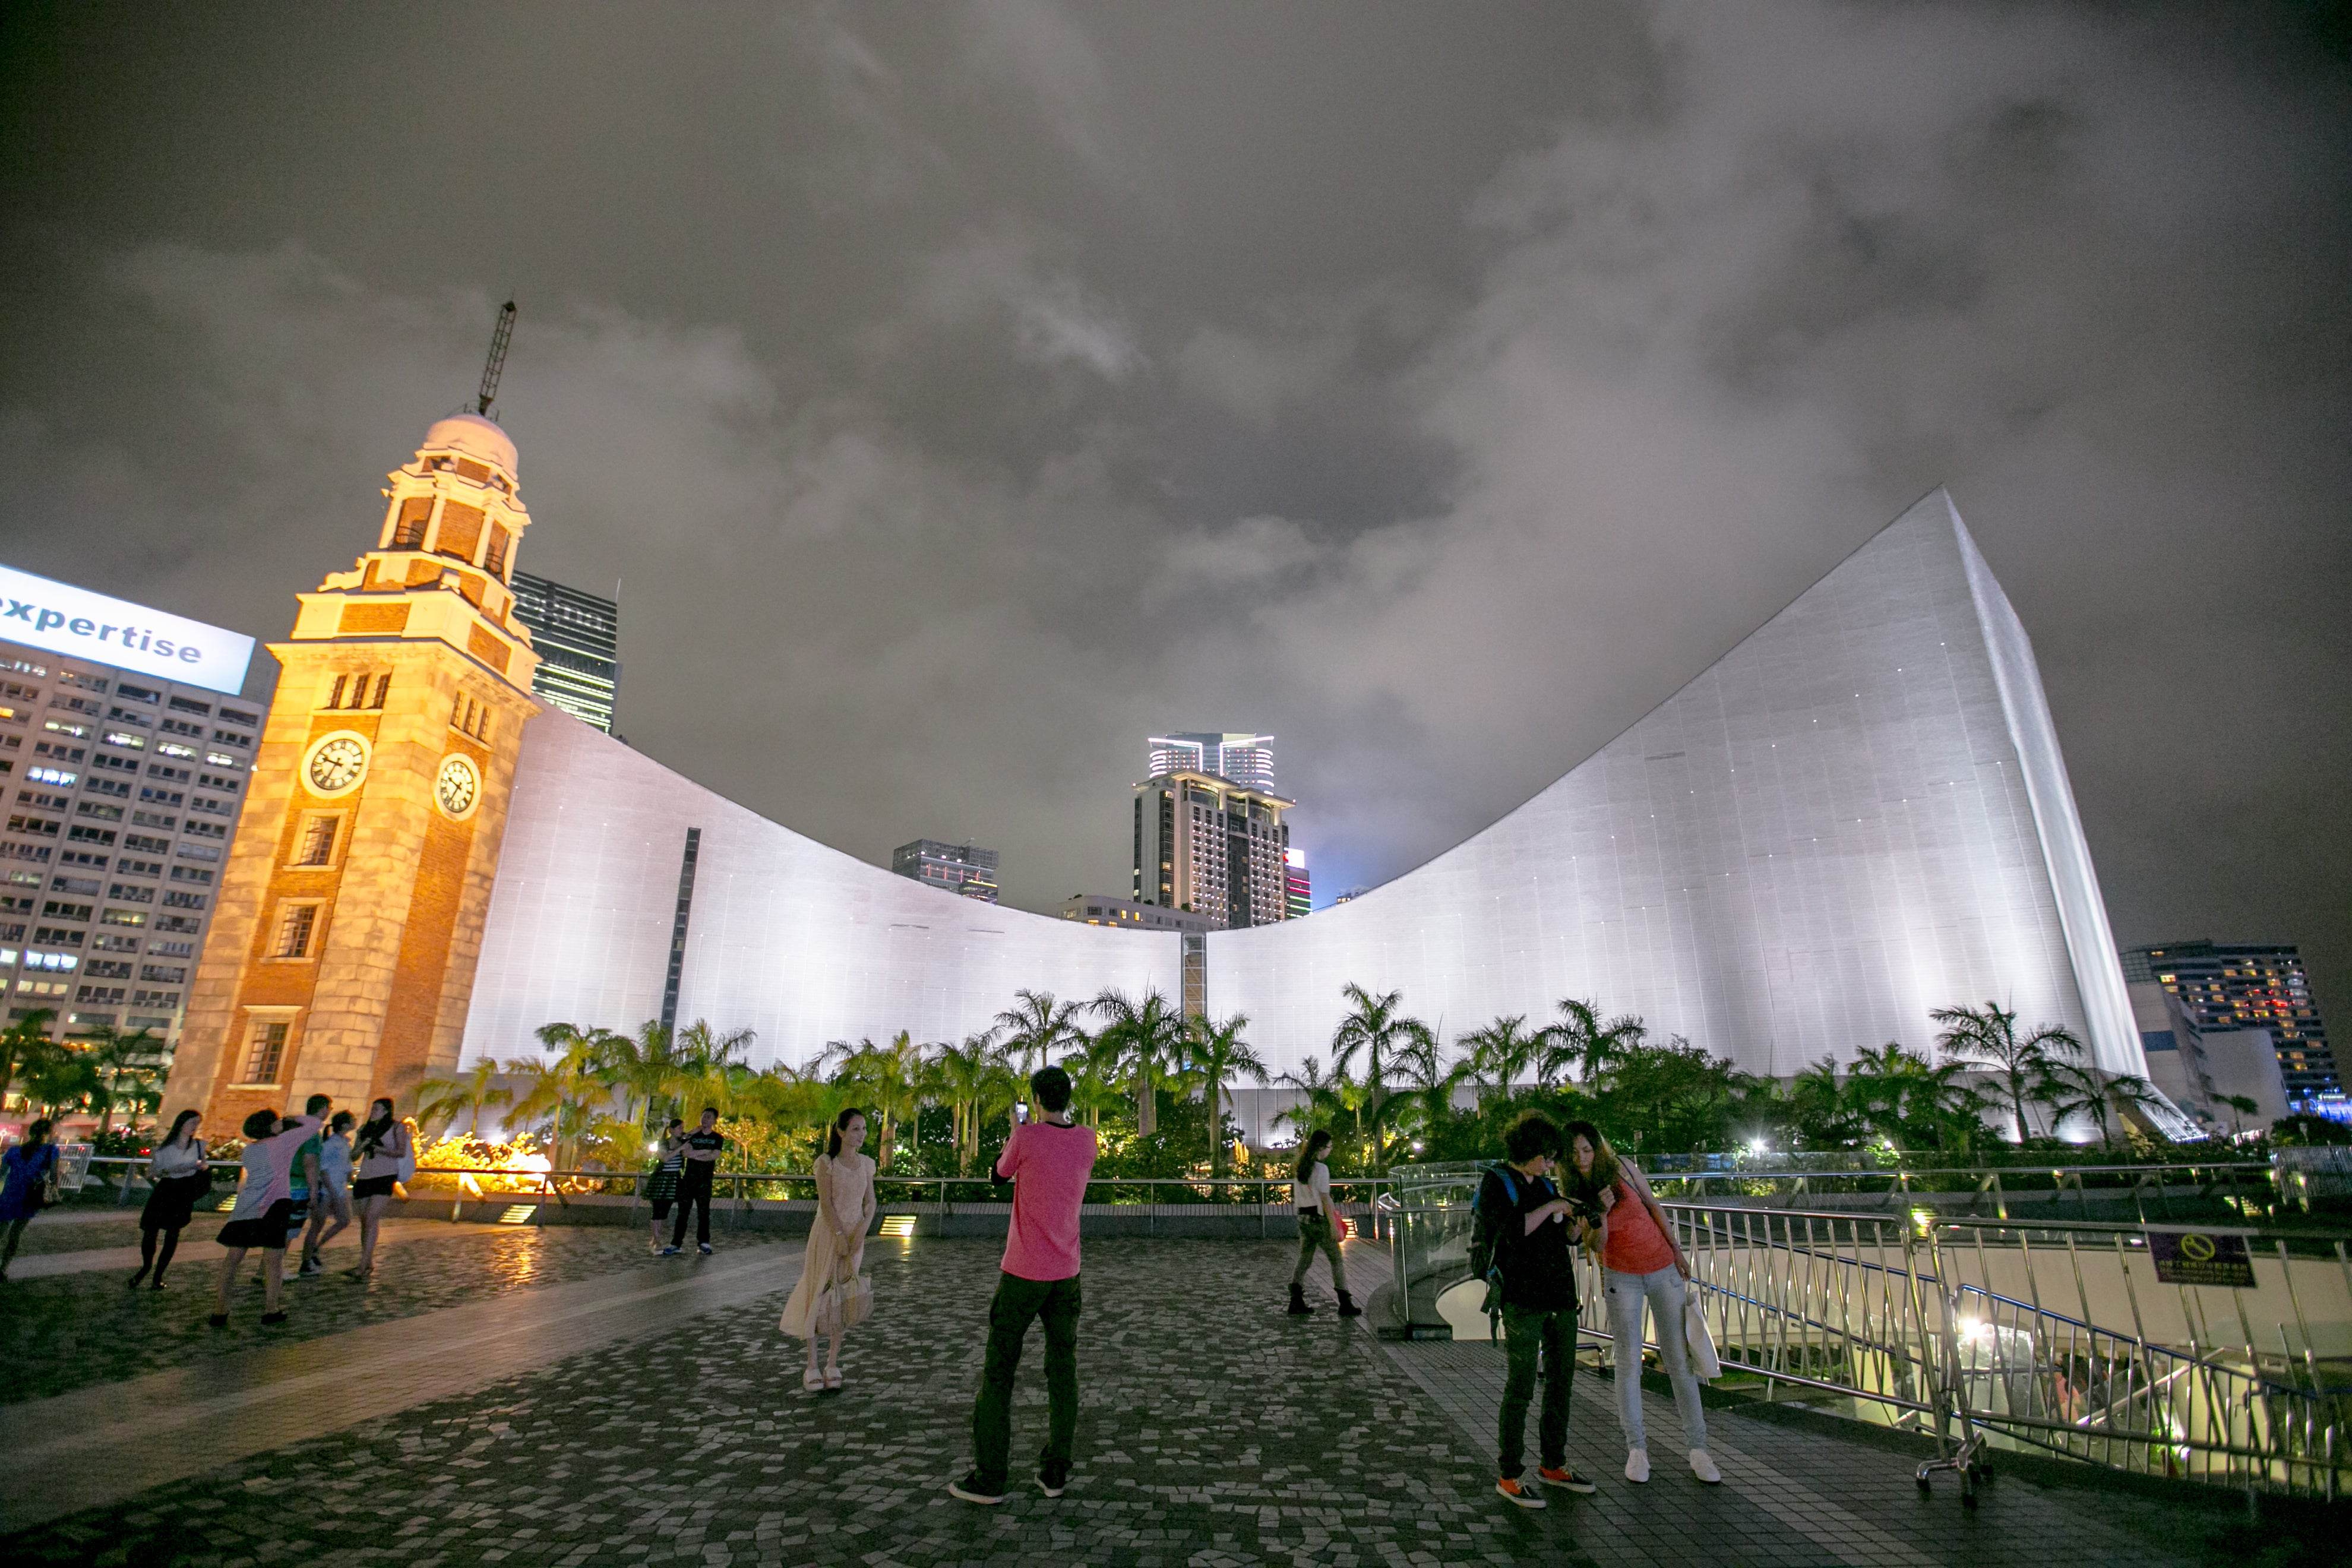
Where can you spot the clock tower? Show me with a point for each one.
(342, 958)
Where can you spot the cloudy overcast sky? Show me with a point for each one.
(960, 393)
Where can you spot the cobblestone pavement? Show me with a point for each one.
(71, 1330)
(77, 1229)
(1215, 1432)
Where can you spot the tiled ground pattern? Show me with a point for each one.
(72, 1331)
(74, 1230)
(1215, 1431)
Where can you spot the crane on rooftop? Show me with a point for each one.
(499, 336)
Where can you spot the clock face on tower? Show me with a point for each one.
(457, 787)
(337, 764)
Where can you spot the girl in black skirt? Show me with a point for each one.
(661, 1188)
(177, 1178)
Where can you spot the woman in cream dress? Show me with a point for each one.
(836, 1243)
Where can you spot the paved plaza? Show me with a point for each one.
(525, 1396)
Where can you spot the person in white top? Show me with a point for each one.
(176, 1178)
(1319, 1227)
(836, 1243)
(387, 1148)
(333, 1194)
(263, 1206)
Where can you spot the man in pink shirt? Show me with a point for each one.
(1047, 1161)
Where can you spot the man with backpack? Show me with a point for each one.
(1524, 1245)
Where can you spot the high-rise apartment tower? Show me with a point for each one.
(1246, 760)
(2223, 986)
(1207, 844)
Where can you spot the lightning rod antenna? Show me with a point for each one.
(498, 362)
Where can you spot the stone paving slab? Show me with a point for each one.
(68, 1332)
(1215, 1431)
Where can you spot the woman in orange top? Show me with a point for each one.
(1641, 1264)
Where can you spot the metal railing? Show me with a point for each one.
(739, 1190)
(1986, 1333)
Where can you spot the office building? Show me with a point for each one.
(1246, 760)
(2221, 987)
(2202, 1070)
(1298, 897)
(1206, 844)
(127, 756)
(964, 869)
(1109, 909)
(577, 637)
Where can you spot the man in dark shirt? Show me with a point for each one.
(702, 1146)
(1533, 1232)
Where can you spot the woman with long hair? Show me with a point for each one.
(176, 1178)
(661, 1186)
(1319, 1226)
(25, 1172)
(384, 1146)
(836, 1243)
(1642, 1265)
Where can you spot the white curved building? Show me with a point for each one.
(1858, 814)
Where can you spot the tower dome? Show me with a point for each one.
(473, 436)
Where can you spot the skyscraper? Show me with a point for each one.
(577, 637)
(1247, 760)
(1207, 844)
(1297, 895)
(128, 773)
(2262, 986)
(964, 869)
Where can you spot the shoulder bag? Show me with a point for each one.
(407, 1172)
(1698, 1344)
(847, 1300)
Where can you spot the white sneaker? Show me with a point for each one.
(1637, 1464)
(1703, 1466)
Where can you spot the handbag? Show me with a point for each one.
(407, 1172)
(1704, 1364)
(847, 1300)
(52, 1194)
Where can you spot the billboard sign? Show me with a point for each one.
(82, 625)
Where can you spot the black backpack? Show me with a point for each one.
(1486, 1233)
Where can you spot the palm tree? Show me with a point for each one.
(127, 1067)
(1503, 1053)
(2241, 1107)
(562, 1098)
(648, 1068)
(25, 1044)
(965, 1076)
(889, 1077)
(441, 1100)
(1327, 1095)
(1822, 1108)
(1375, 1028)
(1909, 1100)
(1432, 1079)
(1145, 1039)
(1990, 1035)
(1037, 1027)
(1584, 1041)
(2069, 1089)
(1221, 1054)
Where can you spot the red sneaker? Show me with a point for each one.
(1566, 1479)
(1510, 1488)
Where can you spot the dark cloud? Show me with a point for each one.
(962, 394)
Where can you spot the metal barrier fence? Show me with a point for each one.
(1985, 1334)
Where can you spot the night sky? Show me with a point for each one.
(962, 394)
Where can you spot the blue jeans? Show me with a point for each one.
(1663, 1292)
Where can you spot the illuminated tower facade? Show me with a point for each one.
(341, 957)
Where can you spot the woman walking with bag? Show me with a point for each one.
(387, 1155)
(1641, 1265)
(661, 1186)
(176, 1178)
(829, 1281)
(29, 1183)
(1319, 1227)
